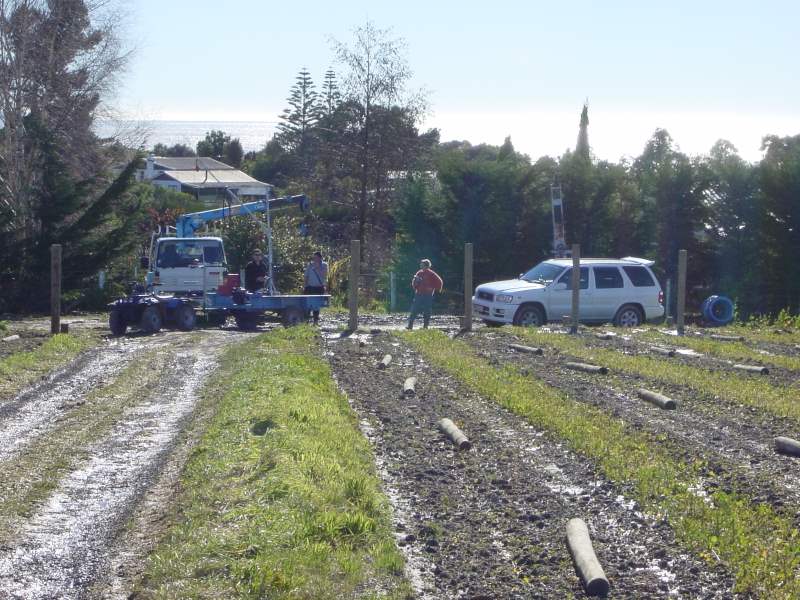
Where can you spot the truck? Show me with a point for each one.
(187, 274)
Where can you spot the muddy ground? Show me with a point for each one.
(71, 541)
(489, 522)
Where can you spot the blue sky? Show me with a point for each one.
(702, 70)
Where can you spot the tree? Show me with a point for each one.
(213, 145)
(582, 148)
(377, 74)
(296, 129)
(234, 153)
(330, 98)
(57, 59)
(177, 150)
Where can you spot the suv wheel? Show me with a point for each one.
(529, 316)
(628, 316)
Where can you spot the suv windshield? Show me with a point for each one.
(185, 254)
(542, 273)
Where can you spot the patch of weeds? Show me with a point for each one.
(761, 547)
(726, 386)
(294, 513)
(3, 325)
(22, 368)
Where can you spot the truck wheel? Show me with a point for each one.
(628, 316)
(216, 318)
(292, 316)
(185, 317)
(529, 315)
(245, 322)
(151, 320)
(117, 323)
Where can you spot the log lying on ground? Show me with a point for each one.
(384, 362)
(409, 386)
(752, 369)
(586, 563)
(727, 338)
(663, 351)
(658, 399)
(587, 368)
(454, 433)
(605, 336)
(11, 338)
(528, 349)
(786, 445)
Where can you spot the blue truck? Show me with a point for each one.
(187, 276)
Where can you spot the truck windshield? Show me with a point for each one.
(173, 254)
(542, 273)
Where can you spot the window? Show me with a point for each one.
(607, 278)
(542, 273)
(639, 276)
(567, 278)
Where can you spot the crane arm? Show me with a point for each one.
(187, 224)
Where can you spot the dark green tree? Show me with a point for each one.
(234, 153)
(582, 148)
(213, 145)
(331, 97)
(176, 150)
(296, 131)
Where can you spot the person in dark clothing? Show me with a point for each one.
(315, 279)
(426, 282)
(255, 273)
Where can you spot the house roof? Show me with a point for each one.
(189, 163)
(213, 178)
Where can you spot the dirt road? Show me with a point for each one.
(141, 393)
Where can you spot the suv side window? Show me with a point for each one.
(639, 276)
(607, 277)
(567, 278)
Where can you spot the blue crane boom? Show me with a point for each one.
(187, 224)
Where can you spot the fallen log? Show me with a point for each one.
(528, 349)
(727, 338)
(658, 399)
(457, 436)
(587, 368)
(605, 336)
(753, 369)
(663, 351)
(11, 338)
(586, 563)
(384, 362)
(409, 387)
(786, 445)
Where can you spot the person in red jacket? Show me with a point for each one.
(426, 282)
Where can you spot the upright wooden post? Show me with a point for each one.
(576, 287)
(467, 324)
(55, 288)
(668, 297)
(681, 290)
(355, 274)
(392, 292)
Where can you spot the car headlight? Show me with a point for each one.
(504, 298)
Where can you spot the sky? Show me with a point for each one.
(703, 70)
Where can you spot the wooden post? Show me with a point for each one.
(467, 324)
(392, 292)
(668, 296)
(576, 287)
(355, 273)
(55, 288)
(681, 290)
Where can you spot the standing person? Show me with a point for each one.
(255, 273)
(315, 278)
(425, 283)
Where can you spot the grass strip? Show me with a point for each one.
(760, 546)
(743, 389)
(22, 368)
(280, 498)
(28, 478)
(726, 350)
(762, 334)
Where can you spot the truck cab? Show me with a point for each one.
(187, 266)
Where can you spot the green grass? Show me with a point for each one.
(744, 389)
(280, 498)
(22, 368)
(728, 350)
(765, 333)
(760, 546)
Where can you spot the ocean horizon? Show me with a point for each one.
(253, 135)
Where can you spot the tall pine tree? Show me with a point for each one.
(296, 130)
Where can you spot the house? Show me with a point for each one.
(204, 178)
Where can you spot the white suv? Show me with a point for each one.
(624, 291)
